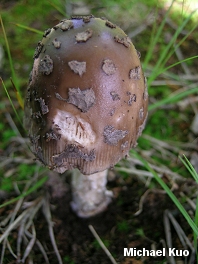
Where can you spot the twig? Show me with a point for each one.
(102, 244)
(182, 236)
(190, 202)
(10, 249)
(14, 224)
(180, 57)
(168, 217)
(20, 236)
(3, 252)
(142, 202)
(47, 214)
(30, 245)
(135, 171)
(168, 236)
(12, 124)
(40, 246)
(160, 169)
(164, 246)
(175, 26)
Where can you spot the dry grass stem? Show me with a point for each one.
(30, 244)
(40, 246)
(47, 214)
(168, 235)
(102, 244)
(169, 218)
(190, 201)
(143, 197)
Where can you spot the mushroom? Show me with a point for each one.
(86, 105)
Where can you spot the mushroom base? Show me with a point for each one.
(90, 196)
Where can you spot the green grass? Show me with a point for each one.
(123, 226)
(68, 260)
(14, 78)
(194, 174)
(171, 195)
(25, 193)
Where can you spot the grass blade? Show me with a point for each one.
(177, 63)
(9, 98)
(170, 194)
(14, 78)
(29, 28)
(60, 10)
(173, 99)
(190, 168)
(195, 236)
(166, 54)
(24, 194)
(155, 37)
(194, 174)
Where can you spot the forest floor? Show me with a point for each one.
(139, 212)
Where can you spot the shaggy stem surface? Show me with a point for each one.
(90, 195)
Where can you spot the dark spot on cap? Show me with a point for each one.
(132, 98)
(145, 94)
(133, 144)
(46, 32)
(36, 115)
(77, 67)
(28, 95)
(83, 99)
(142, 126)
(38, 50)
(44, 107)
(135, 73)
(86, 19)
(39, 154)
(56, 43)
(72, 152)
(109, 24)
(65, 25)
(115, 96)
(108, 67)
(124, 145)
(52, 135)
(30, 77)
(77, 17)
(46, 65)
(139, 54)
(84, 36)
(56, 27)
(112, 135)
(34, 139)
(112, 112)
(125, 41)
(141, 113)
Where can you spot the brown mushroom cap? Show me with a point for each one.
(86, 102)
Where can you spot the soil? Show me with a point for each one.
(118, 227)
